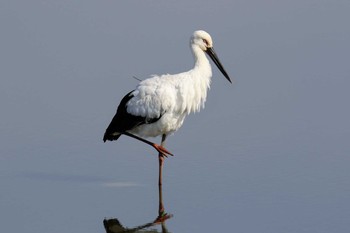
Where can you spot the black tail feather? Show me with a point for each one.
(124, 121)
(110, 137)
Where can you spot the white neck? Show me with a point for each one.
(200, 58)
(201, 74)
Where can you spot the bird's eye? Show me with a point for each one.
(205, 42)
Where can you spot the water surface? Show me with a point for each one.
(267, 154)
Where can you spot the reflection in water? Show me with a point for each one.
(114, 226)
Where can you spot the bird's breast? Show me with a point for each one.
(170, 97)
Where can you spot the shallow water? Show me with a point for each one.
(213, 189)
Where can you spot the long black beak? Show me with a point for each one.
(211, 53)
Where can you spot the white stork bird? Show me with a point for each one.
(159, 105)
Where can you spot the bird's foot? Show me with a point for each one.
(162, 217)
(162, 151)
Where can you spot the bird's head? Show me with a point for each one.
(203, 40)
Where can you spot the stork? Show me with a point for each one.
(159, 105)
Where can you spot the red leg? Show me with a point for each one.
(161, 160)
(159, 148)
(162, 215)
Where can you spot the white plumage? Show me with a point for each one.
(159, 105)
(172, 96)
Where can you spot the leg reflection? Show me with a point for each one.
(114, 226)
(162, 215)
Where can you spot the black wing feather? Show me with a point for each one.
(124, 121)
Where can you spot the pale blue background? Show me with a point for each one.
(267, 154)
